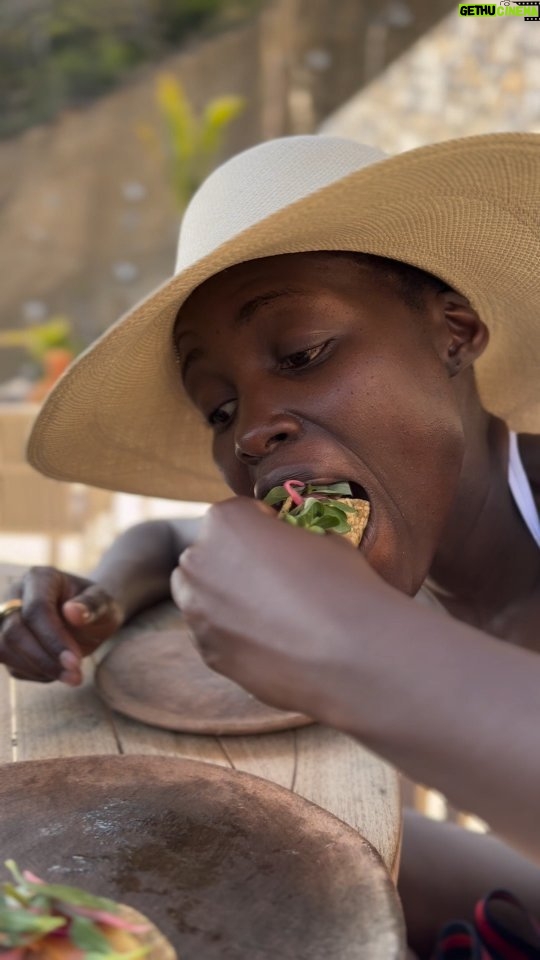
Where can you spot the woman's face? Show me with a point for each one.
(311, 367)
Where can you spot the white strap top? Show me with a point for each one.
(521, 490)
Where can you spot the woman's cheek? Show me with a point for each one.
(234, 472)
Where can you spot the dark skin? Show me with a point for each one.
(405, 379)
(308, 367)
(292, 422)
(343, 380)
(66, 617)
(392, 406)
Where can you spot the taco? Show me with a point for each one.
(47, 921)
(321, 508)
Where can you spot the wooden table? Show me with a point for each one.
(326, 767)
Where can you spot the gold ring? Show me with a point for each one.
(10, 606)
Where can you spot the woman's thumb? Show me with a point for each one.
(90, 606)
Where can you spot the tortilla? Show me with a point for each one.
(357, 520)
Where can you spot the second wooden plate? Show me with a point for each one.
(160, 679)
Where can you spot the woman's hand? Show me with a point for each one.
(276, 608)
(62, 619)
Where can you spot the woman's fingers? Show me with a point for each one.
(21, 652)
(93, 611)
(62, 618)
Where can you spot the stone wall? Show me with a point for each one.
(466, 76)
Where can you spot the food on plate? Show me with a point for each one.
(49, 921)
(321, 508)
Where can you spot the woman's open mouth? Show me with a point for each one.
(358, 492)
(323, 506)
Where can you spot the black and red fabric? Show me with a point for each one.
(502, 930)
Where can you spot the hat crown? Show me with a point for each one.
(260, 181)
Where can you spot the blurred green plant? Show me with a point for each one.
(191, 143)
(51, 346)
(39, 339)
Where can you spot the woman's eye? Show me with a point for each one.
(303, 357)
(221, 415)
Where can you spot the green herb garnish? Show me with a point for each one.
(31, 910)
(314, 506)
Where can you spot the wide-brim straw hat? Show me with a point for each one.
(465, 210)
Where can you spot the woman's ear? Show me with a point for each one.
(466, 335)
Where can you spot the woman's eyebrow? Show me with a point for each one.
(245, 314)
(248, 310)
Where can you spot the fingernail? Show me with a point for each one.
(69, 660)
(86, 614)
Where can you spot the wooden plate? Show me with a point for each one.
(160, 678)
(227, 865)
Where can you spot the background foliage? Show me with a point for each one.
(60, 53)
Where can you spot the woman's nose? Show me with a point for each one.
(257, 440)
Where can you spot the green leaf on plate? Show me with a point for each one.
(21, 927)
(86, 935)
(72, 896)
(14, 871)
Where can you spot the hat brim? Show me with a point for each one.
(466, 210)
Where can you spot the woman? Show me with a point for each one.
(336, 315)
